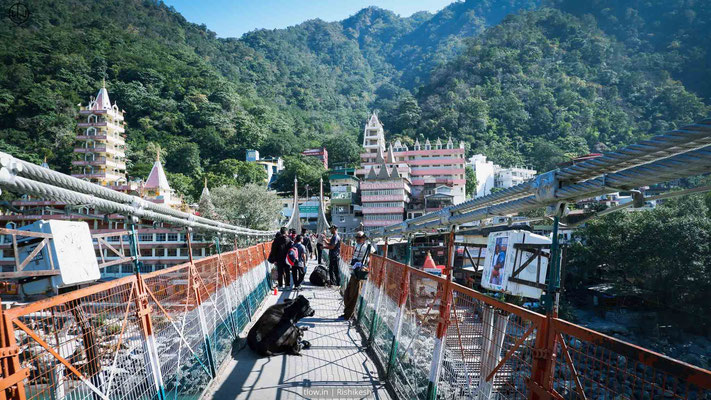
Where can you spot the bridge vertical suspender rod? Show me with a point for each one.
(374, 319)
(402, 300)
(443, 324)
(195, 283)
(12, 385)
(143, 313)
(544, 351)
(226, 286)
(245, 295)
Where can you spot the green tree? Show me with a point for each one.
(184, 159)
(308, 170)
(470, 177)
(251, 206)
(342, 149)
(663, 253)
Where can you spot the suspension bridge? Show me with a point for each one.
(178, 333)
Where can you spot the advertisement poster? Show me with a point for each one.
(495, 270)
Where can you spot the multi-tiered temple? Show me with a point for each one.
(100, 155)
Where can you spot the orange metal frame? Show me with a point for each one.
(550, 343)
(15, 378)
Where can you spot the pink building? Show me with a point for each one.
(431, 167)
(385, 193)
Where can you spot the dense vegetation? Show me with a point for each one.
(672, 271)
(533, 88)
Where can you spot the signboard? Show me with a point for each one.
(512, 267)
(71, 251)
(308, 209)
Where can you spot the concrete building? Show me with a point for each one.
(385, 193)
(272, 165)
(321, 154)
(100, 153)
(346, 212)
(490, 175)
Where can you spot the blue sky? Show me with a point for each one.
(233, 18)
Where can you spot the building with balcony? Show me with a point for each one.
(346, 211)
(321, 154)
(100, 159)
(272, 165)
(99, 155)
(490, 176)
(429, 164)
(385, 194)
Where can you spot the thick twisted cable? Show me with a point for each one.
(674, 142)
(54, 178)
(691, 163)
(41, 189)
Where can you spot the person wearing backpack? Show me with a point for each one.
(360, 262)
(277, 255)
(296, 259)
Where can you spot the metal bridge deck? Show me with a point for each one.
(336, 366)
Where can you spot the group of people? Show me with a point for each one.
(290, 253)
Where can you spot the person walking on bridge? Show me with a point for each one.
(306, 241)
(359, 264)
(320, 240)
(277, 255)
(297, 260)
(334, 256)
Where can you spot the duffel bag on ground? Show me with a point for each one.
(319, 277)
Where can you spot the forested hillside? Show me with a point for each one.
(521, 82)
(545, 84)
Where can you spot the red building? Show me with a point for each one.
(321, 153)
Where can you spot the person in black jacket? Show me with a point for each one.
(280, 246)
(307, 243)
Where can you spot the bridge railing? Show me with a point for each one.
(484, 348)
(160, 335)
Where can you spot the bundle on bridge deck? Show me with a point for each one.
(335, 366)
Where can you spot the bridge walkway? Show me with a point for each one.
(335, 362)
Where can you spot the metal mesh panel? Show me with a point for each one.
(176, 329)
(410, 375)
(97, 334)
(97, 342)
(606, 368)
(389, 308)
(482, 339)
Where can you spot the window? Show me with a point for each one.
(383, 217)
(146, 252)
(160, 237)
(113, 269)
(383, 204)
(145, 237)
(382, 192)
(172, 252)
(172, 237)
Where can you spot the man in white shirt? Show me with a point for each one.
(359, 262)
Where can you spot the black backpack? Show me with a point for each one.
(319, 277)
